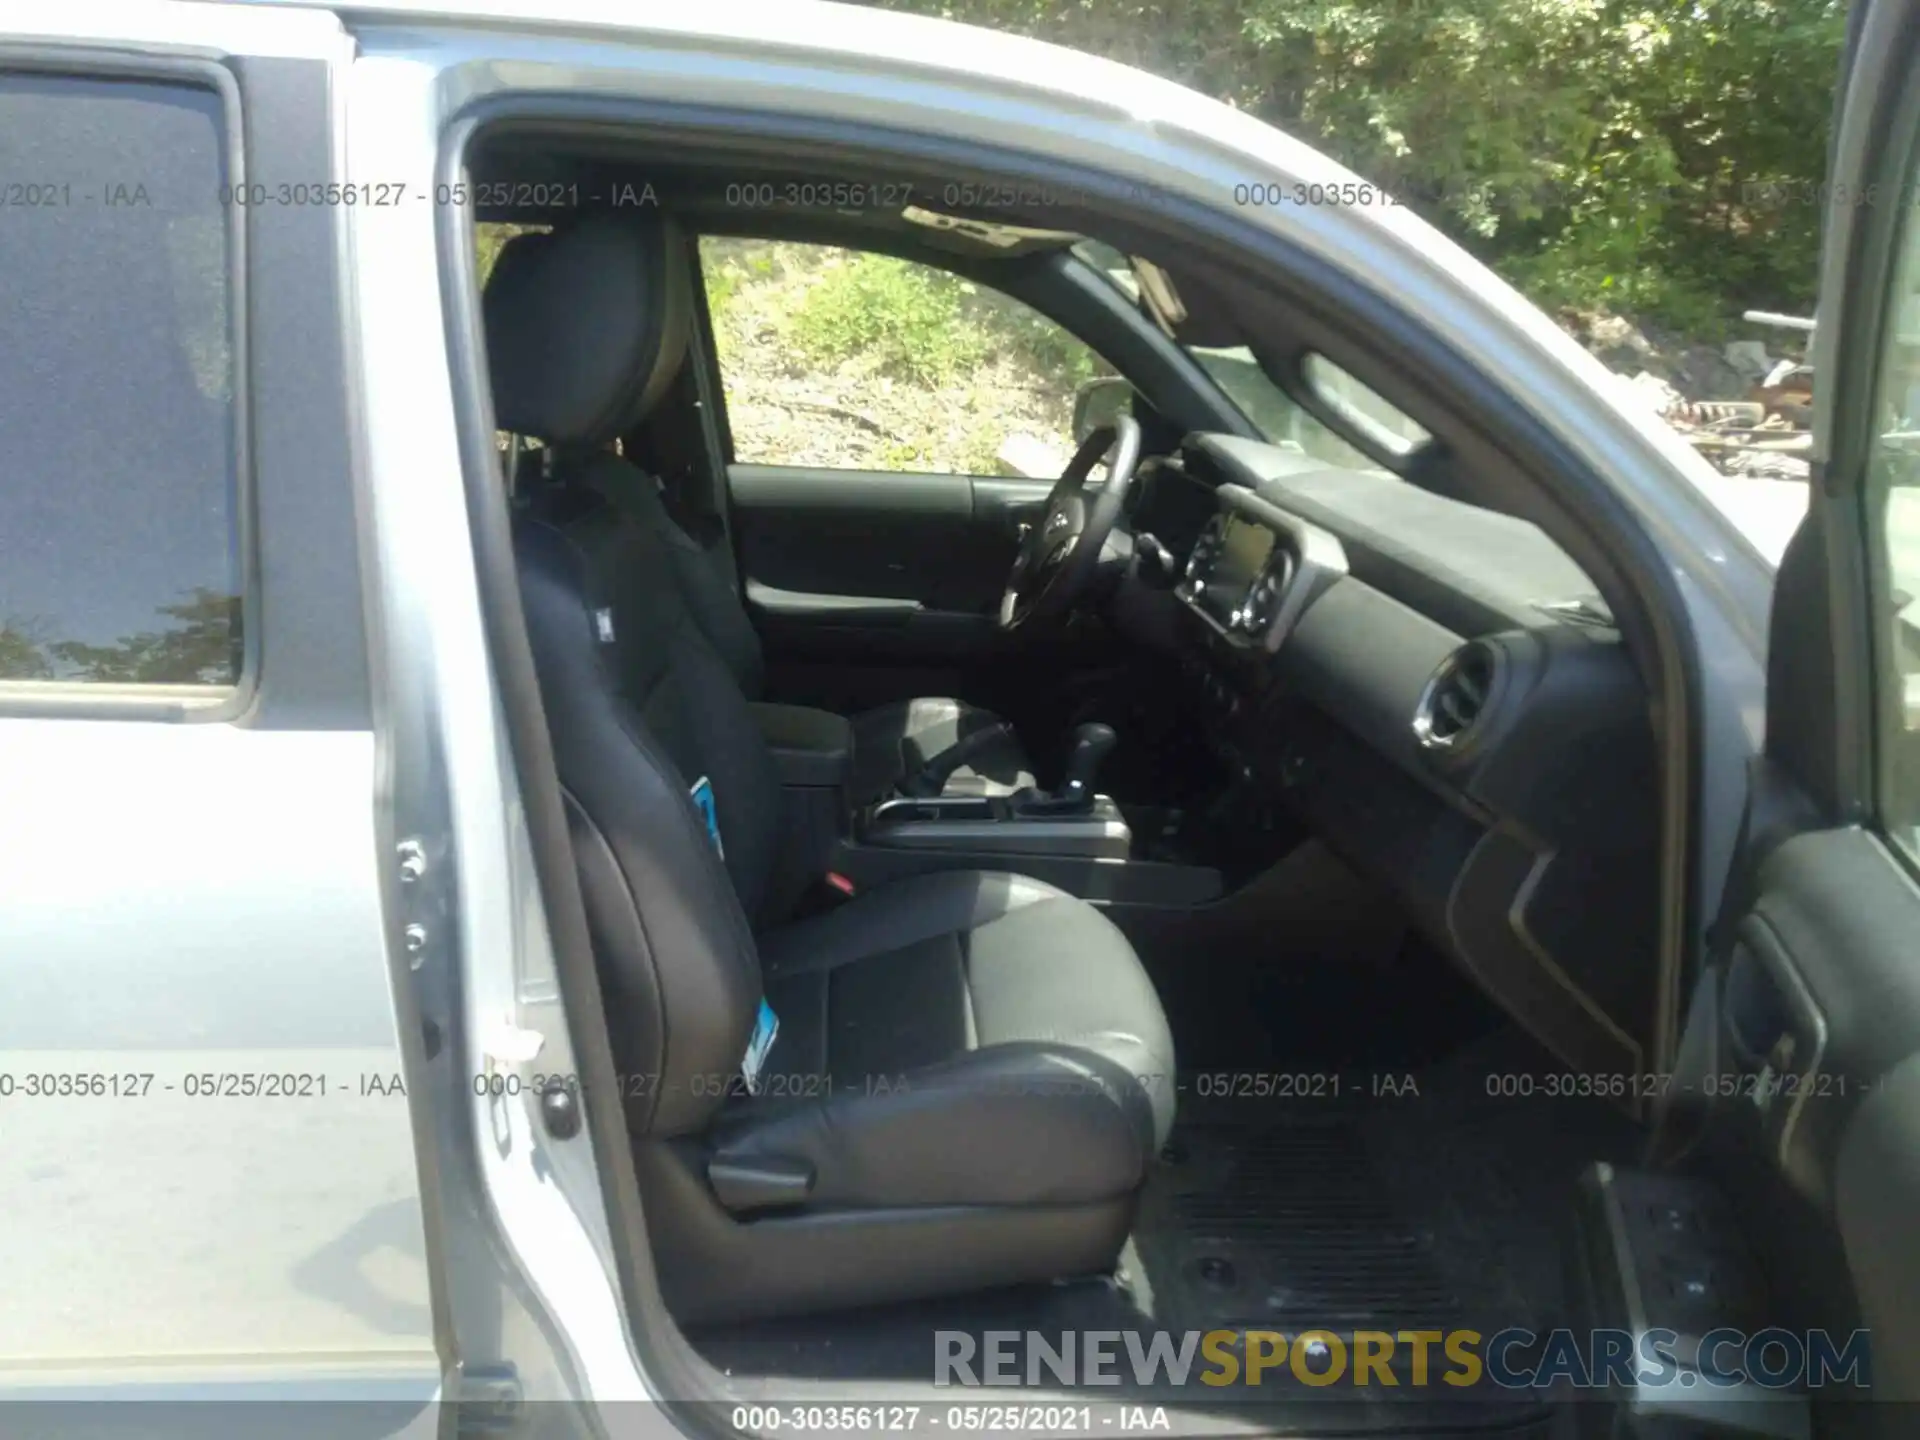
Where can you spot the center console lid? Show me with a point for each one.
(811, 748)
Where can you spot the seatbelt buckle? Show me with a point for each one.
(829, 892)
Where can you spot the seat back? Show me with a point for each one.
(627, 283)
(640, 707)
(707, 591)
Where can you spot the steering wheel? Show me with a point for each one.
(1058, 556)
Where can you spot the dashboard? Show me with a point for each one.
(1254, 569)
(1236, 573)
(1436, 692)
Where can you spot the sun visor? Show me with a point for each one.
(989, 236)
(1186, 310)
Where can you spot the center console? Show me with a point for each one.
(1071, 823)
(1071, 837)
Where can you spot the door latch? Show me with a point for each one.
(488, 1401)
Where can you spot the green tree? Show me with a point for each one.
(202, 647)
(22, 656)
(1652, 158)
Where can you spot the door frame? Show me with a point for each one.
(1815, 936)
(1429, 328)
(1877, 143)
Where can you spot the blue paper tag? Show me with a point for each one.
(765, 1027)
(702, 793)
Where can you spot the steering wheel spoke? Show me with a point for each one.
(1060, 554)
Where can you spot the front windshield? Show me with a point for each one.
(1279, 418)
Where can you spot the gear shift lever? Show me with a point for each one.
(1092, 744)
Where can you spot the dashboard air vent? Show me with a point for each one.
(1456, 697)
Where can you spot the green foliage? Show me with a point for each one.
(974, 451)
(723, 284)
(902, 320)
(198, 645)
(22, 657)
(919, 324)
(1656, 158)
(860, 359)
(1046, 349)
(488, 239)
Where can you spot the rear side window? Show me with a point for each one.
(119, 535)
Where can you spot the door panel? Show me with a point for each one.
(869, 587)
(215, 1192)
(831, 556)
(1816, 1093)
(1822, 998)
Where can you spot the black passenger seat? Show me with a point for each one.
(972, 1070)
(891, 742)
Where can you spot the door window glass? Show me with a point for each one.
(119, 542)
(860, 361)
(1894, 515)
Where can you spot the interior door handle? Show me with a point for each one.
(1024, 518)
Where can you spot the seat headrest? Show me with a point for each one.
(586, 327)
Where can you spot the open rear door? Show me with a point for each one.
(1796, 1103)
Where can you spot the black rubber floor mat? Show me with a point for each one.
(1286, 1225)
(1434, 1211)
(1288, 1222)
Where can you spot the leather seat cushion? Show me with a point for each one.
(896, 740)
(961, 1038)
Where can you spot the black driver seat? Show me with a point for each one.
(890, 742)
(972, 1070)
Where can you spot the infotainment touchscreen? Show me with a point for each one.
(1244, 551)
